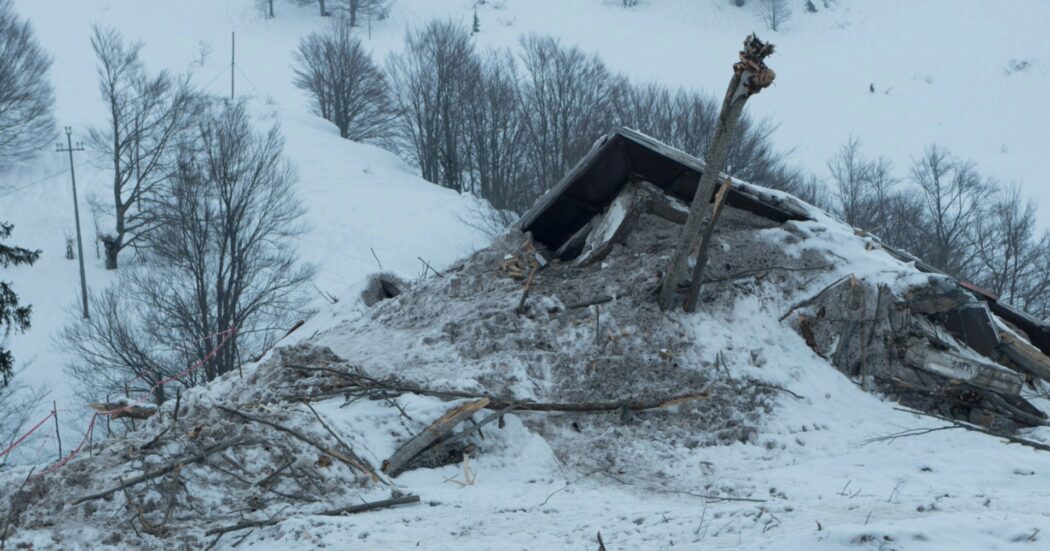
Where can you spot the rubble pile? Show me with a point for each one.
(552, 330)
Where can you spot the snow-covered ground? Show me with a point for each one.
(943, 74)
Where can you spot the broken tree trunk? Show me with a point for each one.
(116, 410)
(701, 255)
(437, 431)
(750, 76)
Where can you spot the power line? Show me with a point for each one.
(9, 192)
(254, 87)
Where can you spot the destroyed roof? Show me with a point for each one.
(626, 155)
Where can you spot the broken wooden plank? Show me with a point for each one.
(958, 367)
(1024, 355)
(574, 245)
(613, 226)
(438, 430)
(659, 203)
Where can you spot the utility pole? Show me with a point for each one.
(76, 214)
(233, 58)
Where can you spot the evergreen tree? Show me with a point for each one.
(477, 23)
(12, 315)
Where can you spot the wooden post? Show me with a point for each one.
(701, 255)
(750, 76)
(58, 433)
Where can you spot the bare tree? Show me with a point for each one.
(567, 99)
(495, 136)
(774, 13)
(953, 194)
(147, 118)
(26, 97)
(222, 257)
(372, 9)
(346, 87)
(431, 85)
(851, 179)
(1011, 254)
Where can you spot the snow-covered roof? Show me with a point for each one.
(623, 155)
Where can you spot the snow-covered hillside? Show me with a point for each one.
(941, 70)
(969, 75)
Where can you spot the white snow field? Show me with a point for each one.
(944, 72)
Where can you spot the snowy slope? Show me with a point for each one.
(809, 479)
(359, 198)
(940, 68)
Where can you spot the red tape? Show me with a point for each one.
(26, 435)
(227, 335)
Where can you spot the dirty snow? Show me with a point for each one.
(821, 486)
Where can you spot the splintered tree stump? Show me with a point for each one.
(705, 243)
(436, 432)
(750, 76)
(117, 410)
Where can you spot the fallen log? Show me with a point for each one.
(153, 473)
(117, 410)
(614, 225)
(437, 431)
(349, 461)
(347, 510)
(969, 426)
(362, 382)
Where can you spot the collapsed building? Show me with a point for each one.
(942, 344)
(552, 333)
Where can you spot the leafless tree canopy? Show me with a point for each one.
(952, 194)
(495, 134)
(686, 119)
(774, 13)
(26, 96)
(567, 101)
(354, 10)
(346, 87)
(221, 256)
(148, 117)
(431, 84)
(951, 216)
(507, 126)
